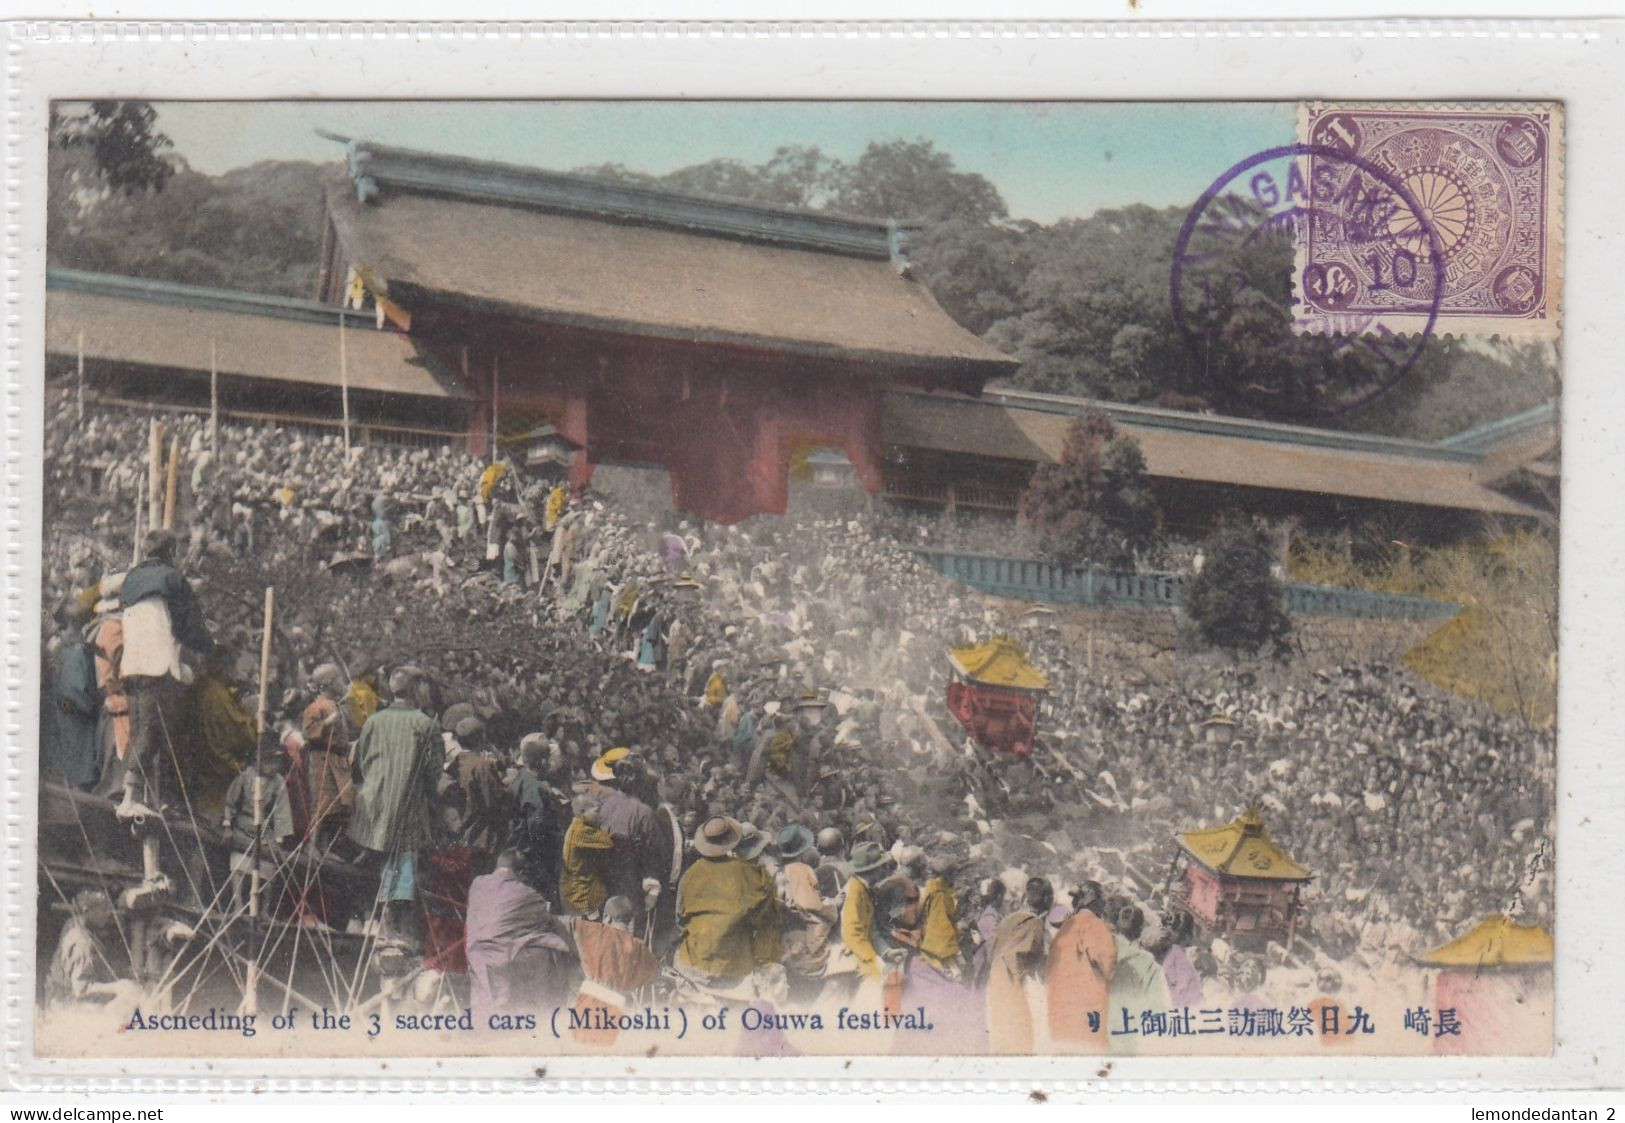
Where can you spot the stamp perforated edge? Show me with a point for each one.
(1544, 329)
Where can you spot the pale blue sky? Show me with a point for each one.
(1049, 160)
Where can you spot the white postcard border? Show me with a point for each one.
(1576, 63)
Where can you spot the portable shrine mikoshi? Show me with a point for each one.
(994, 694)
(1495, 982)
(1235, 882)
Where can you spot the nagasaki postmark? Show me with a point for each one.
(1239, 284)
(1487, 186)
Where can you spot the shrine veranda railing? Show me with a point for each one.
(1055, 583)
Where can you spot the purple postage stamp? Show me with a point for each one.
(1488, 181)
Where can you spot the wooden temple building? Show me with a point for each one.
(713, 338)
(722, 341)
(951, 452)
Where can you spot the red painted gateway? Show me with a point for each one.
(714, 338)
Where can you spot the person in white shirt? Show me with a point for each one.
(162, 619)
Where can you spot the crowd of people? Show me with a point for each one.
(570, 755)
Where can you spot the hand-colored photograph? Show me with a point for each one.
(799, 578)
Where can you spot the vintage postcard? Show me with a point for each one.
(776, 579)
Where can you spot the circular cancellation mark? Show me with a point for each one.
(1266, 326)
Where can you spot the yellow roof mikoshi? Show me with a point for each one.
(1243, 849)
(1495, 942)
(1001, 661)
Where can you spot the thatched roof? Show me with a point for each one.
(155, 324)
(641, 278)
(1257, 455)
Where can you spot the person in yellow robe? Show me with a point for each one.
(935, 976)
(716, 690)
(728, 910)
(867, 937)
(490, 478)
(860, 936)
(361, 701)
(939, 931)
(583, 882)
(555, 507)
(221, 741)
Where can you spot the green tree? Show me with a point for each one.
(1092, 313)
(1236, 602)
(911, 181)
(101, 152)
(972, 268)
(1128, 508)
(125, 148)
(1095, 504)
(257, 229)
(794, 176)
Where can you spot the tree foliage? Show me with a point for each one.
(1502, 646)
(1083, 303)
(1095, 504)
(124, 147)
(257, 229)
(1236, 601)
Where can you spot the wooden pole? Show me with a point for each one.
(932, 730)
(252, 976)
(171, 482)
(344, 385)
(140, 501)
(81, 370)
(214, 401)
(495, 391)
(462, 365)
(155, 474)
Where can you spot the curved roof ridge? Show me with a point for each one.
(376, 169)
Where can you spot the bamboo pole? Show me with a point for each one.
(288, 991)
(172, 482)
(252, 976)
(155, 474)
(81, 370)
(495, 391)
(344, 384)
(214, 401)
(462, 365)
(140, 501)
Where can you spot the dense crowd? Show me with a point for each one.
(643, 745)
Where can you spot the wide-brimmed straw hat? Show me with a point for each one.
(716, 837)
(328, 675)
(867, 856)
(794, 841)
(810, 700)
(752, 841)
(604, 767)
